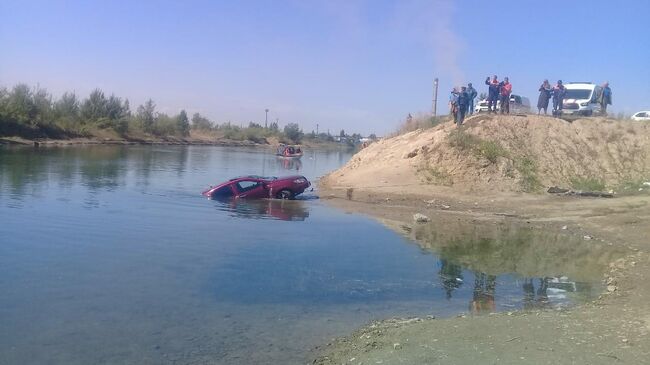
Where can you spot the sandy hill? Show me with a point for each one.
(506, 153)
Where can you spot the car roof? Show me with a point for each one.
(580, 86)
(254, 177)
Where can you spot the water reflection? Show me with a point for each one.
(290, 163)
(451, 276)
(286, 210)
(483, 295)
(552, 269)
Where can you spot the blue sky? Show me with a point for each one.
(357, 65)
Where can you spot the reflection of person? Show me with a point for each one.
(451, 276)
(484, 289)
(534, 300)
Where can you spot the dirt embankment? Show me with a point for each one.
(505, 154)
(477, 178)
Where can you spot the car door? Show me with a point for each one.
(250, 189)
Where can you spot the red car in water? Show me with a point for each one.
(256, 187)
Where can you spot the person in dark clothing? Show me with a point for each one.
(463, 101)
(605, 98)
(545, 92)
(493, 93)
(505, 89)
(471, 93)
(558, 97)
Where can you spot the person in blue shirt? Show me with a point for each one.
(463, 100)
(453, 104)
(493, 93)
(605, 98)
(471, 93)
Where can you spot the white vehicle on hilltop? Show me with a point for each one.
(518, 104)
(581, 98)
(641, 116)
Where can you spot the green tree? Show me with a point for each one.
(274, 127)
(95, 107)
(43, 103)
(183, 124)
(146, 116)
(293, 132)
(20, 105)
(66, 112)
(201, 123)
(164, 125)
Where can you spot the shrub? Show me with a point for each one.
(492, 150)
(528, 170)
(587, 183)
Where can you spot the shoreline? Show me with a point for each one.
(611, 328)
(44, 142)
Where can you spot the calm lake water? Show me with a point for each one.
(110, 255)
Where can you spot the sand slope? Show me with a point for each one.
(504, 153)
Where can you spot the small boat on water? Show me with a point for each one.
(288, 151)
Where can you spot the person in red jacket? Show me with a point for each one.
(505, 89)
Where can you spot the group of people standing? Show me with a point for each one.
(558, 93)
(546, 92)
(498, 91)
(461, 102)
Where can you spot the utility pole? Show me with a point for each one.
(435, 96)
(266, 118)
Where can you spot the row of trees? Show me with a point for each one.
(23, 108)
(36, 108)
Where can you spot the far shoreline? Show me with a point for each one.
(169, 141)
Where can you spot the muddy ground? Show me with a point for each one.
(613, 329)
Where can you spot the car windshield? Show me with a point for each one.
(578, 94)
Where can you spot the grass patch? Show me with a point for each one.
(491, 150)
(463, 141)
(587, 184)
(528, 170)
(420, 121)
(434, 175)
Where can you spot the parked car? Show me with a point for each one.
(518, 104)
(642, 116)
(257, 187)
(581, 99)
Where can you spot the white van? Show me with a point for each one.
(581, 99)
